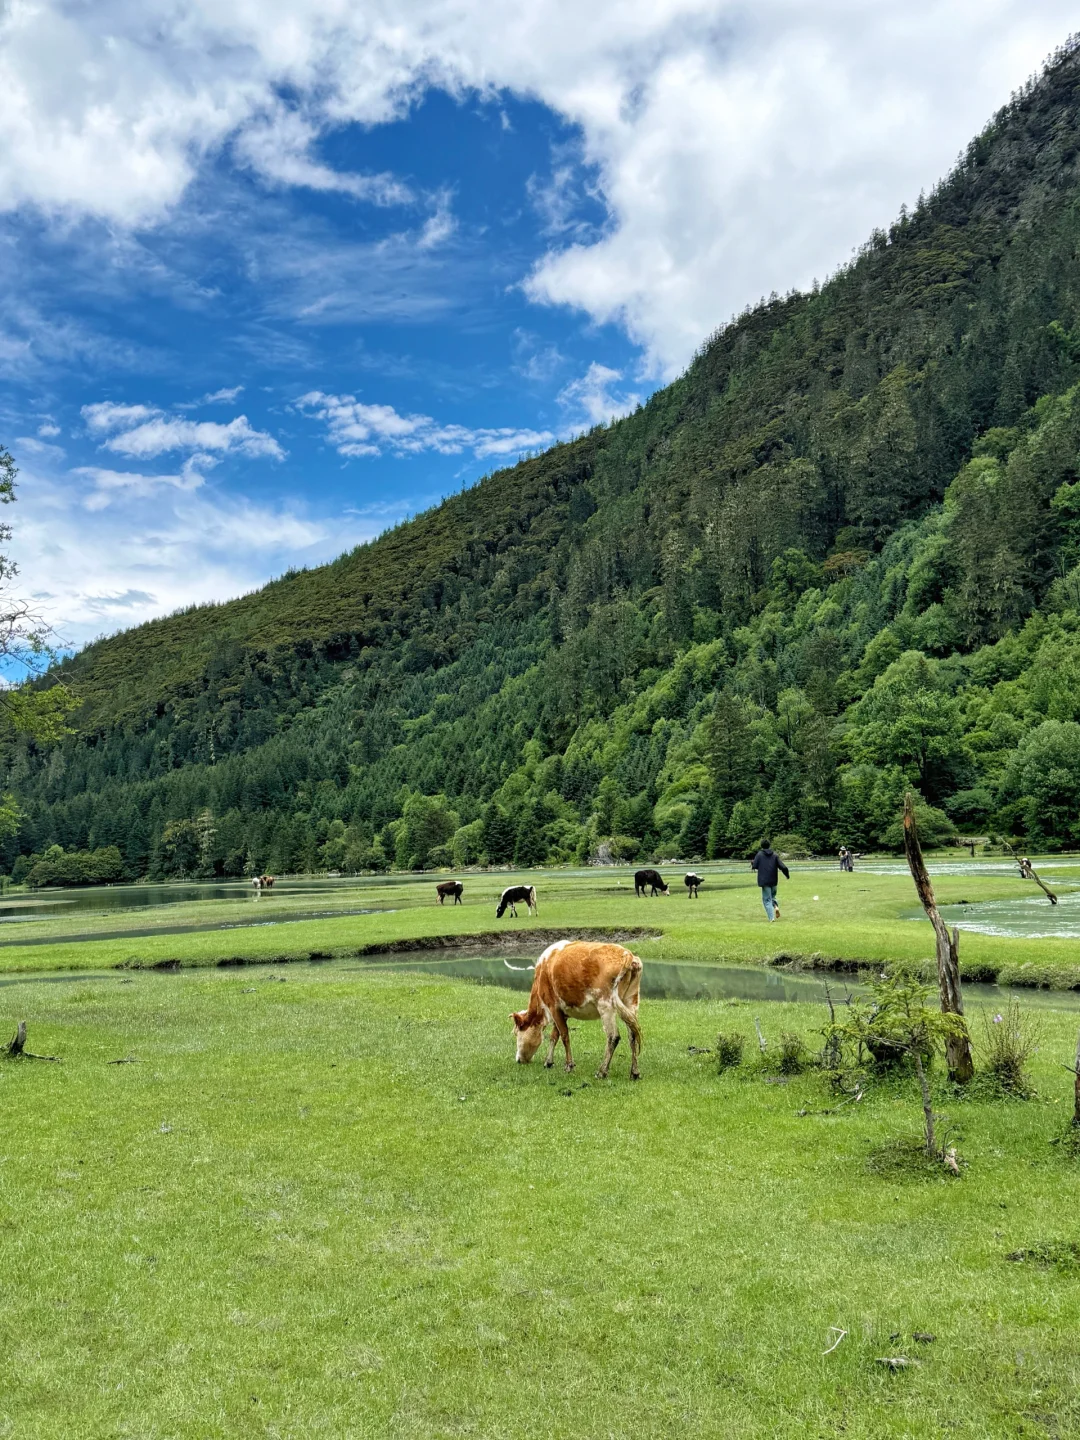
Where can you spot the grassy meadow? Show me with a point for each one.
(857, 918)
(323, 1201)
(326, 1202)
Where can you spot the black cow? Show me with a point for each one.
(526, 894)
(693, 884)
(651, 880)
(449, 887)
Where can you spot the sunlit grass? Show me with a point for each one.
(329, 1204)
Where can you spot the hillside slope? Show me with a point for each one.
(832, 559)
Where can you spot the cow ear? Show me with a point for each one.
(518, 1018)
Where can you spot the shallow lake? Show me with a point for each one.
(661, 979)
(1026, 918)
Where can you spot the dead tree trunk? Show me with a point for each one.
(16, 1049)
(957, 1047)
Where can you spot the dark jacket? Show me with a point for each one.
(768, 865)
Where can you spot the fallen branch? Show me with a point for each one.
(16, 1049)
(834, 1330)
(1027, 872)
(760, 1037)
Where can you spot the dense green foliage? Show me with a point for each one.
(840, 556)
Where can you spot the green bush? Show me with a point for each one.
(729, 1049)
(793, 1057)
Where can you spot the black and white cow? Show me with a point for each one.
(693, 884)
(510, 897)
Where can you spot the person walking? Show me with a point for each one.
(768, 865)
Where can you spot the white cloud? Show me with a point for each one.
(48, 430)
(143, 432)
(279, 146)
(106, 485)
(593, 399)
(92, 568)
(355, 429)
(222, 397)
(106, 416)
(738, 147)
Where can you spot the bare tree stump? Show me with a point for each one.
(16, 1049)
(957, 1047)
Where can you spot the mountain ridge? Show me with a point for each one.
(896, 445)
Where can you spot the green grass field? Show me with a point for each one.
(323, 1201)
(854, 918)
(327, 1203)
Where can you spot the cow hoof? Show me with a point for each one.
(549, 1064)
(634, 1075)
(568, 1068)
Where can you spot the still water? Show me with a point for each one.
(661, 979)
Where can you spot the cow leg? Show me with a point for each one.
(610, 1020)
(564, 1035)
(628, 1014)
(549, 1059)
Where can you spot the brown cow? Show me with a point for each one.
(449, 887)
(582, 980)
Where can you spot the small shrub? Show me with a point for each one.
(791, 847)
(1010, 1039)
(1062, 1254)
(905, 1158)
(729, 1049)
(792, 1053)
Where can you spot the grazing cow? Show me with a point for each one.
(510, 897)
(693, 884)
(650, 880)
(581, 980)
(449, 887)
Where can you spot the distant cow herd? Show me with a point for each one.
(515, 895)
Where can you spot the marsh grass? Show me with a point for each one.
(854, 925)
(729, 1049)
(328, 1204)
(1010, 1042)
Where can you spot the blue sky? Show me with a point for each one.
(267, 287)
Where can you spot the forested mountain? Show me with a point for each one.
(839, 556)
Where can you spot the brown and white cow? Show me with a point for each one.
(581, 980)
(447, 888)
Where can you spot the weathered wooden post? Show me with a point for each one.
(957, 1047)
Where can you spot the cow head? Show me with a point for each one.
(499, 909)
(528, 1032)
